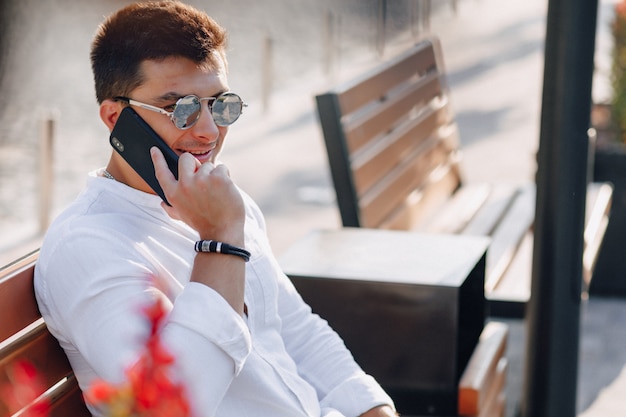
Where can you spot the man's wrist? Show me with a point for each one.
(233, 234)
(214, 246)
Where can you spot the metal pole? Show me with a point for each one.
(330, 45)
(381, 27)
(425, 11)
(553, 316)
(267, 72)
(46, 146)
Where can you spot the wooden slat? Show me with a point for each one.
(490, 214)
(598, 203)
(416, 172)
(37, 346)
(384, 115)
(71, 402)
(420, 161)
(495, 399)
(418, 134)
(459, 210)
(374, 85)
(482, 369)
(498, 409)
(64, 397)
(21, 339)
(17, 296)
(421, 204)
(509, 234)
(399, 187)
(512, 292)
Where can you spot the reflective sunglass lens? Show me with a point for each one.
(186, 112)
(226, 109)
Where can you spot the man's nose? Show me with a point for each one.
(205, 127)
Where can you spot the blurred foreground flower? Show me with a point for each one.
(24, 387)
(149, 390)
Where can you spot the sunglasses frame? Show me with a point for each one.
(210, 100)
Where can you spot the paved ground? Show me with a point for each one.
(494, 56)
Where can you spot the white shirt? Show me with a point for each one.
(115, 248)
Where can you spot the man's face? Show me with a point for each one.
(168, 80)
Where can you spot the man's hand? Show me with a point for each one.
(204, 197)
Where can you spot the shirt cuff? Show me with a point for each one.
(205, 312)
(357, 395)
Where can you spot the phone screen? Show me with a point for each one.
(132, 138)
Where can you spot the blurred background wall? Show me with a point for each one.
(45, 73)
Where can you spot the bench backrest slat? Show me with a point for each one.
(391, 110)
(17, 297)
(40, 348)
(24, 336)
(391, 140)
(397, 71)
(419, 134)
(396, 187)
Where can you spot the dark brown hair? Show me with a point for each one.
(150, 31)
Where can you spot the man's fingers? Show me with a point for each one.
(187, 165)
(222, 170)
(161, 170)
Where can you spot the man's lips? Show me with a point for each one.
(200, 155)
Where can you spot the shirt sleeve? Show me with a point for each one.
(323, 358)
(91, 290)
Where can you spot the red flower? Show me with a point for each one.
(155, 313)
(24, 387)
(99, 392)
(149, 390)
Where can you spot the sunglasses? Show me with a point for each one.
(225, 109)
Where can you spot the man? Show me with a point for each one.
(244, 342)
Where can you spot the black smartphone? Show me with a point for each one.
(132, 138)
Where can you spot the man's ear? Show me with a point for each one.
(110, 111)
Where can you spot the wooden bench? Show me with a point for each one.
(24, 336)
(394, 154)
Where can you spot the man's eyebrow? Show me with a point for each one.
(168, 97)
(173, 96)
